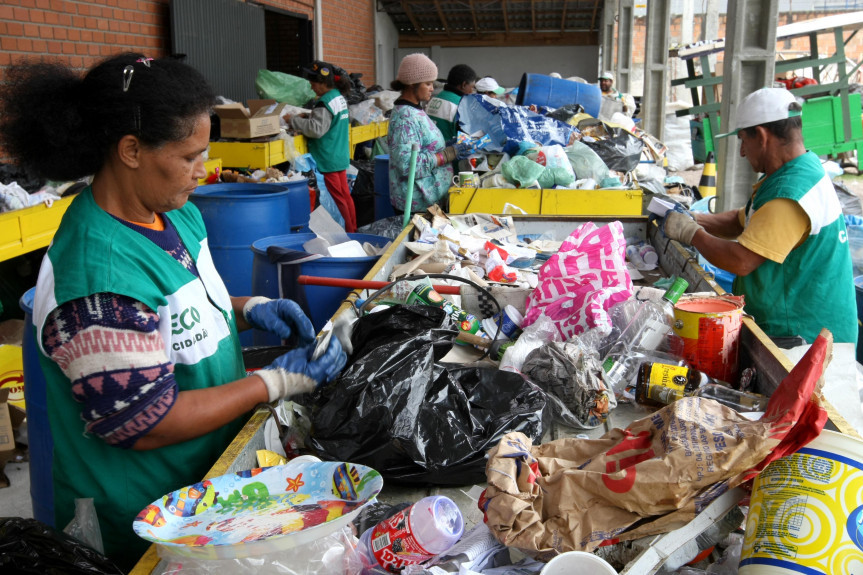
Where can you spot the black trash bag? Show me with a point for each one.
(398, 410)
(363, 192)
(30, 546)
(564, 114)
(621, 151)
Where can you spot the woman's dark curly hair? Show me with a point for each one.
(59, 125)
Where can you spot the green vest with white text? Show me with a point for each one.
(814, 286)
(332, 150)
(94, 253)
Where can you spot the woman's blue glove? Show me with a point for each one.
(296, 372)
(279, 316)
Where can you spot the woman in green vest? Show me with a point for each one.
(137, 334)
(327, 129)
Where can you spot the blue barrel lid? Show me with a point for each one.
(239, 190)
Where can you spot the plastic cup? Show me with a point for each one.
(573, 562)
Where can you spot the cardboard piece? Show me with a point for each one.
(261, 118)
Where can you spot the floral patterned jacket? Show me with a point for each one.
(409, 124)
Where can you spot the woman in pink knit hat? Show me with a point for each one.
(410, 124)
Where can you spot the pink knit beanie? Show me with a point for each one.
(416, 68)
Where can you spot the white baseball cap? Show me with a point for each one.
(762, 107)
(606, 76)
(488, 84)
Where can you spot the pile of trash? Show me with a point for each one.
(541, 147)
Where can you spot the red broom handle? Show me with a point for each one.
(364, 284)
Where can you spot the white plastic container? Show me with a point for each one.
(425, 529)
(806, 512)
(577, 562)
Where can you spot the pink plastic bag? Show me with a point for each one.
(582, 280)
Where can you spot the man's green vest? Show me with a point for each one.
(94, 253)
(332, 150)
(814, 287)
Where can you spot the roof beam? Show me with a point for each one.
(505, 16)
(410, 14)
(595, 10)
(473, 15)
(443, 17)
(533, 15)
(563, 17)
(527, 38)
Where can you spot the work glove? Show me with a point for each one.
(458, 151)
(296, 372)
(281, 317)
(679, 224)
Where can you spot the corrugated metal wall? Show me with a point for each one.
(225, 40)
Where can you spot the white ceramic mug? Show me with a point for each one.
(465, 180)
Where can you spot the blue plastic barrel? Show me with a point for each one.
(383, 206)
(542, 90)
(322, 301)
(300, 204)
(236, 215)
(41, 446)
(858, 289)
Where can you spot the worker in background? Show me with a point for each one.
(443, 108)
(410, 125)
(327, 132)
(788, 245)
(153, 407)
(488, 86)
(606, 86)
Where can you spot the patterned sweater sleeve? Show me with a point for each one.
(110, 349)
(411, 128)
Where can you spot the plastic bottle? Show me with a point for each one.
(741, 401)
(425, 294)
(425, 529)
(647, 330)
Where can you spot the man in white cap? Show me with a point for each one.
(788, 245)
(606, 86)
(606, 81)
(489, 87)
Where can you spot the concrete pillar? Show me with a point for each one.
(656, 45)
(710, 26)
(750, 56)
(625, 25)
(607, 32)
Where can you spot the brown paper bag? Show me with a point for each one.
(654, 476)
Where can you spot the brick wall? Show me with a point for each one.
(81, 32)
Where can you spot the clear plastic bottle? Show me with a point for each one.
(647, 331)
(425, 529)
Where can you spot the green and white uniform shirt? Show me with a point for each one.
(814, 287)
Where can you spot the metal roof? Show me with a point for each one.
(494, 22)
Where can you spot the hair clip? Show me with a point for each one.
(337, 78)
(145, 61)
(127, 77)
(325, 71)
